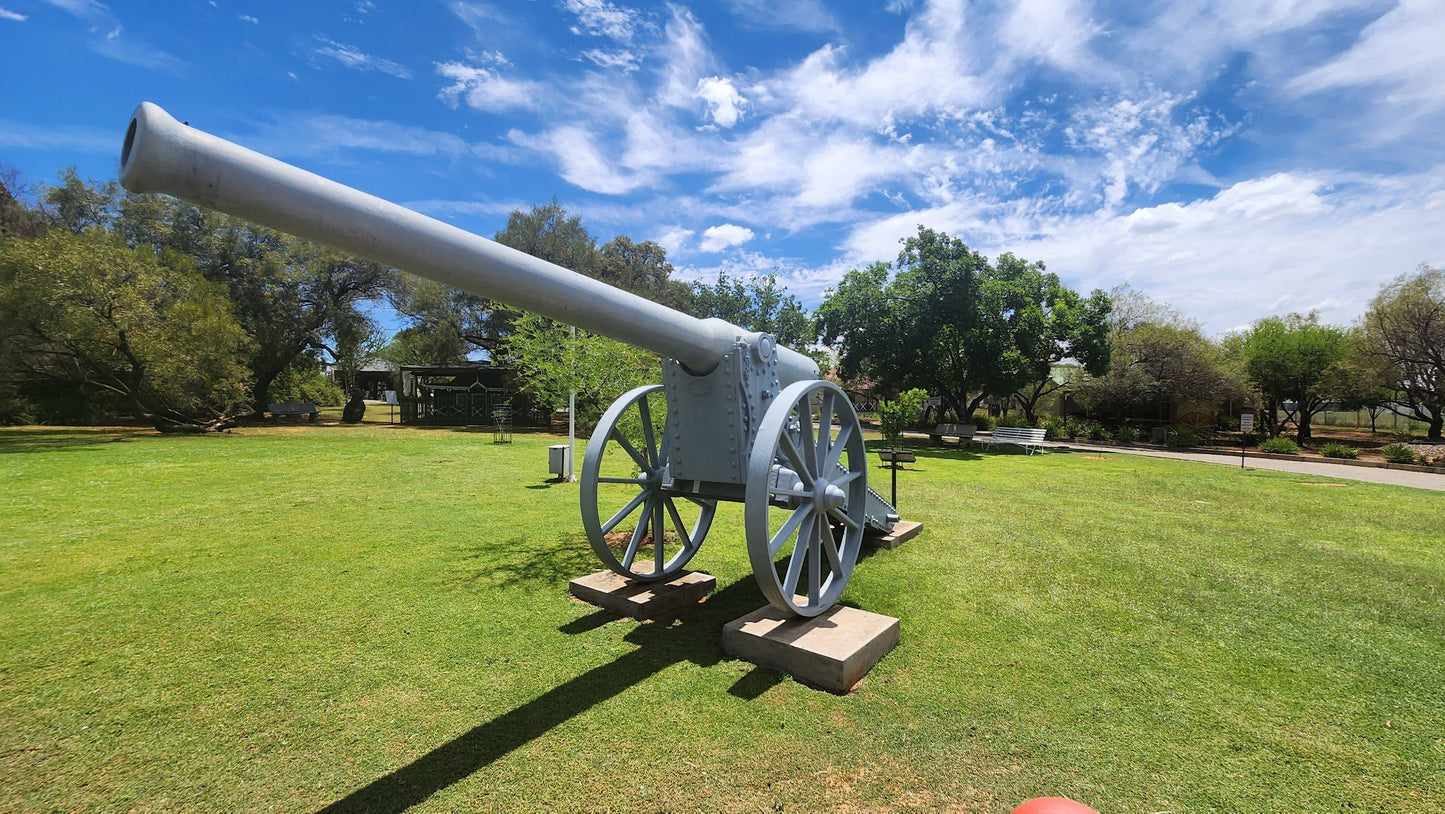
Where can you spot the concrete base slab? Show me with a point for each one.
(643, 600)
(903, 531)
(832, 651)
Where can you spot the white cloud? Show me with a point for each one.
(26, 136)
(98, 18)
(801, 15)
(724, 236)
(359, 60)
(582, 164)
(675, 239)
(7, 14)
(603, 19)
(486, 89)
(246, 18)
(622, 59)
(724, 103)
(1400, 51)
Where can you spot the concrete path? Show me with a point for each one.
(1394, 477)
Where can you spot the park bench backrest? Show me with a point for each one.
(292, 409)
(960, 430)
(1031, 435)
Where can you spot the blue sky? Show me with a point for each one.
(1236, 158)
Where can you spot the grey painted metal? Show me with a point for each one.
(653, 505)
(794, 472)
(161, 154)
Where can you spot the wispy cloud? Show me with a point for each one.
(7, 14)
(799, 15)
(105, 36)
(356, 59)
(483, 87)
(600, 18)
(724, 236)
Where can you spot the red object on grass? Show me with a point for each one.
(1053, 805)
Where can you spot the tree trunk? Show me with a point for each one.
(1302, 422)
(261, 393)
(1437, 425)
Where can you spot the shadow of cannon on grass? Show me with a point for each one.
(694, 636)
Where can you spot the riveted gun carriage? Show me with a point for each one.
(737, 417)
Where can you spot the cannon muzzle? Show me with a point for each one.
(163, 155)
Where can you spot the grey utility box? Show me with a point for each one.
(558, 460)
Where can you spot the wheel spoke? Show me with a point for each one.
(633, 481)
(805, 431)
(791, 493)
(683, 533)
(637, 533)
(789, 526)
(825, 430)
(830, 546)
(626, 510)
(836, 452)
(795, 561)
(844, 480)
(647, 432)
(838, 515)
(699, 501)
(799, 465)
(631, 450)
(815, 561)
(659, 537)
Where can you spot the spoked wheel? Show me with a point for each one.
(638, 528)
(805, 498)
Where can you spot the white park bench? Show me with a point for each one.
(963, 432)
(1030, 438)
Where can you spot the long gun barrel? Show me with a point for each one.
(163, 155)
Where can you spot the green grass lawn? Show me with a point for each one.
(374, 617)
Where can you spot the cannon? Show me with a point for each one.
(736, 418)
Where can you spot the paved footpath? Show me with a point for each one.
(1395, 477)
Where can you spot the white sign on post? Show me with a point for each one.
(1246, 422)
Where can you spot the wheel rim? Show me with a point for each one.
(804, 537)
(637, 527)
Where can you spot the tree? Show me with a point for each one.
(898, 415)
(551, 362)
(954, 324)
(1052, 323)
(289, 294)
(1362, 379)
(1157, 357)
(84, 308)
(78, 205)
(756, 303)
(1293, 359)
(1404, 329)
(642, 268)
(17, 219)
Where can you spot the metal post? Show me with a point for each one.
(572, 414)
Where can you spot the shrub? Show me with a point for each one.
(1398, 453)
(1053, 427)
(1073, 427)
(1127, 434)
(982, 421)
(896, 416)
(1013, 420)
(1181, 436)
(1280, 446)
(1335, 450)
(303, 381)
(1095, 431)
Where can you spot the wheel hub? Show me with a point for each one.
(826, 496)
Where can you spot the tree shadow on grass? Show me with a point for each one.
(693, 637)
(482, 564)
(62, 440)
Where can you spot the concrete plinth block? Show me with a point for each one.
(643, 600)
(903, 531)
(832, 651)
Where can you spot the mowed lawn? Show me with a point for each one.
(369, 618)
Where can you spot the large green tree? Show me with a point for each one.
(1404, 330)
(757, 303)
(945, 319)
(1294, 360)
(84, 308)
(551, 361)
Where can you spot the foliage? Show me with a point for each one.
(1294, 359)
(1280, 446)
(1181, 435)
(1337, 450)
(982, 421)
(550, 363)
(1398, 453)
(17, 219)
(757, 303)
(1012, 420)
(1053, 427)
(1096, 431)
(1127, 433)
(1157, 355)
(83, 308)
(422, 345)
(303, 381)
(1404, 332)
(900, 414)
(951, 322)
